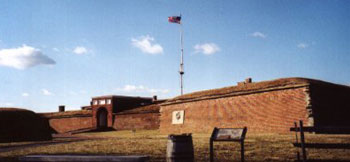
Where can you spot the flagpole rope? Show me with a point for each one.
(182, 59)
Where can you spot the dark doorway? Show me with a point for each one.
(102, 118)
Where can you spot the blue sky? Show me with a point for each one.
(64, 52)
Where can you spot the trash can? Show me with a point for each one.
(180, 148)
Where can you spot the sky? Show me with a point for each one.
(63, 52)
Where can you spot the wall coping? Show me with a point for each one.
(67, 116)
(135, 113)
(231, 94)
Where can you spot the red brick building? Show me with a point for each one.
(269, 106)
(105, 107)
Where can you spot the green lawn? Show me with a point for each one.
(259, 147)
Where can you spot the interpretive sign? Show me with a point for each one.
(227, 134)
(178, 117)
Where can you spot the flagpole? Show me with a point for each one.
(182, 59)
(177, 19)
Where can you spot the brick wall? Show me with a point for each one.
(330, 105)
(66, 124)
(273, 111)
(136, 121)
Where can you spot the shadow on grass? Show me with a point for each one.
(9, 159)
(324, 160)
(11, 148)
(325, 145)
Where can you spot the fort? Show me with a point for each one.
(267, 106)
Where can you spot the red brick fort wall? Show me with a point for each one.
(273, 111)
(136, 121)
(61, 125)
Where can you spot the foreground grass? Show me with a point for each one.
(259, 147)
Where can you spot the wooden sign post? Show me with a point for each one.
(227, 135)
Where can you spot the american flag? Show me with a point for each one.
(175, 19)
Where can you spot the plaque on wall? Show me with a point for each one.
(178, 117)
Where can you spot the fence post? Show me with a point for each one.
(297, 140)
(302, 140)
(242, 150)
(211, 150)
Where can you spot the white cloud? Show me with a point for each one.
(146, 45)
(46, 92)
(55, 49)
(141, 89)
(302, 45)
(24, 94)
(23, 57)
(80, 50)
(206, 48)
(130, 88)
(258, 35)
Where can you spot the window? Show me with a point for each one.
(95, 102)
(109, 101)
(102, 102)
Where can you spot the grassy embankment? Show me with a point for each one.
(259, 147)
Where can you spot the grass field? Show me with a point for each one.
(259, 147)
